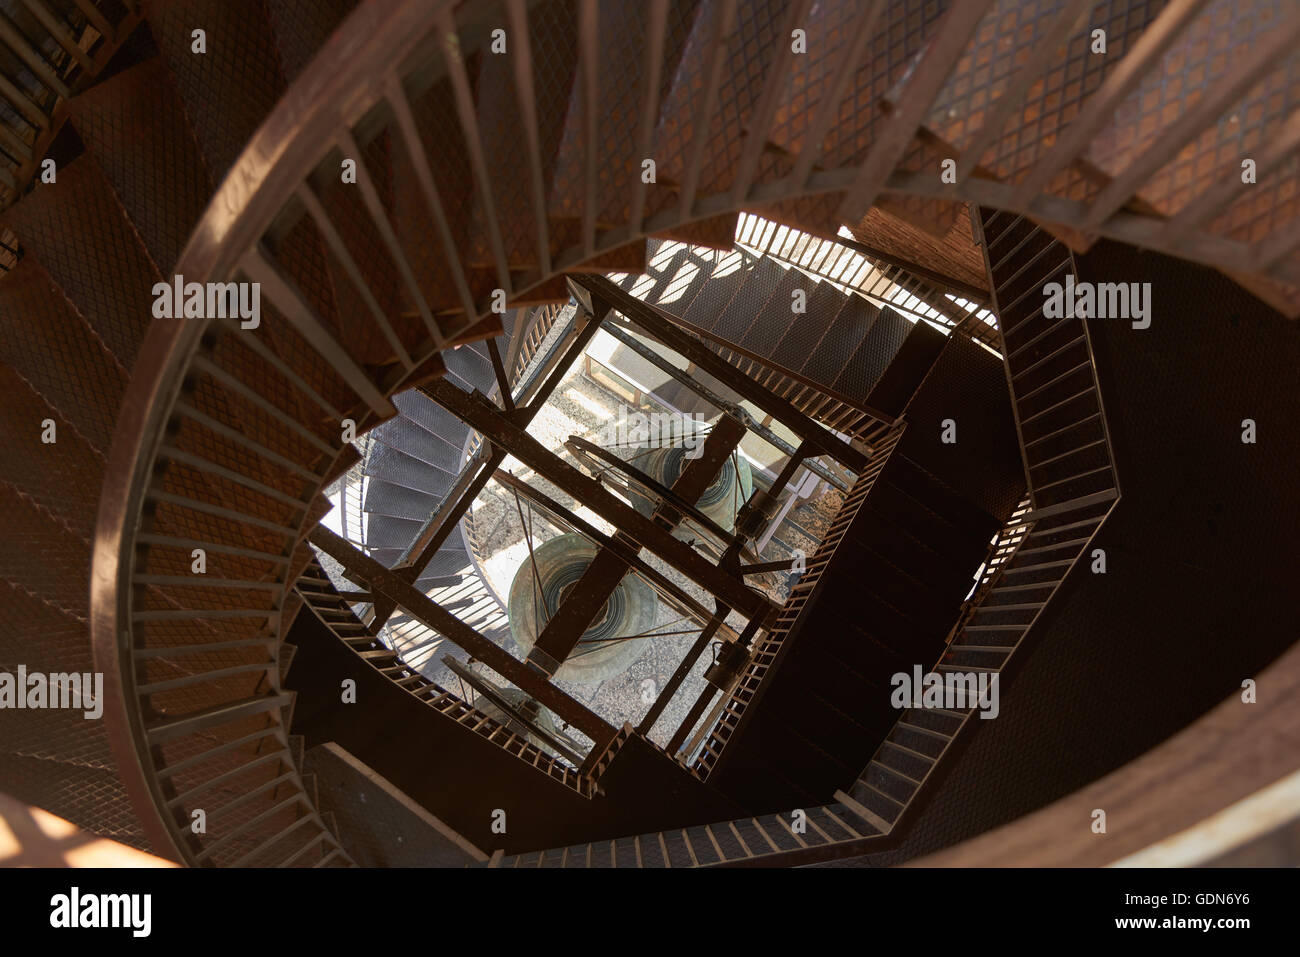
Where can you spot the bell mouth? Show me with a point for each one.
(631, 609)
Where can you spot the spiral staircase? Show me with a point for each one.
(481, 174)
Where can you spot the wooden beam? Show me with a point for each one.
(478, 413)
(576, 613)
(690, 347)
(429, 613)
(676, 595)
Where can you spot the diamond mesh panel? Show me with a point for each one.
(801, 338)
(751, 50)
(777, 316)
(43, 556)
(444, 145)
(58, 354)
(500, 124)
(70, 492)
(405, 436)
(933, 214)
(1203, 56)
(673, 133)
(758, 287)
(716, 232)
(232, 354)
(387, 532)
(331, 291)
(82, 238)
(400, 468)
(1243, 130)
(1007, 37)
(302, 27)
(885, 334)
(1268, 207)
(231, 88)
(419, 237)
(384, 498)
(828, 26)
(1051, 104)
(841, 340)
(135, 125)
(817, 215)
(725, 277)
(900, 36)
(94, 800)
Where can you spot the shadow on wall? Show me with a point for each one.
(1200, 555)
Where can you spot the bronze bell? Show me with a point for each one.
(632, 609)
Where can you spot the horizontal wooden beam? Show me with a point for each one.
(429, 613)
(661, 327)
(477, 412)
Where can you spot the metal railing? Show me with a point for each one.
(190, 663)
(1072, 489)
(731, 708)
(331, 608)
(853, 271)
(59, 50)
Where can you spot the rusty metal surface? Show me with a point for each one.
(241, 76)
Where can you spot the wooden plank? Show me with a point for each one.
(428, 612)
(479, 414)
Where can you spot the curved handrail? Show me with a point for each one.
(281, 154)
(383, 50)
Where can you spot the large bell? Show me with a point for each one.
(631, 610)
(720, 501)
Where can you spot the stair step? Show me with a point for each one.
(135, 124)
(229, 90)
(870, 817)
(750, 299)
